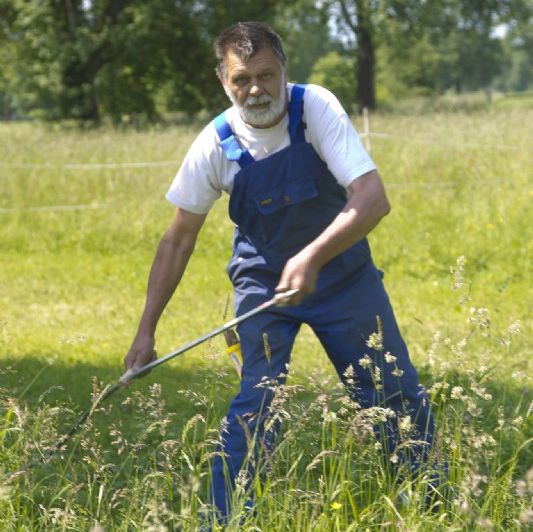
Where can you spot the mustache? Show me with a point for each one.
(256, 100)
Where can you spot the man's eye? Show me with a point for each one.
(241, 82)
(265, 77)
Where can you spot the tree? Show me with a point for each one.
(336, 73)
(83, 59)
(303, 25)
(429, 45)
(358, 17)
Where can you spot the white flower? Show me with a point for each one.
(405, 423)
(514, 328)
(457, 392)
(390, 359)
(397, 372)
(365, 362)
(526, 517)
(375, 341)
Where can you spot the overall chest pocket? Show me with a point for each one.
(285, 213)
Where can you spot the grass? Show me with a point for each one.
(72, 287)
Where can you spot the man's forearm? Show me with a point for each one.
(362, 212)
(167, 270)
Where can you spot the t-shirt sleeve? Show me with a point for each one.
(196, 185)
(334, 137)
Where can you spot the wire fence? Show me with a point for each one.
(55, 208)
(366, 136)
(90, 166)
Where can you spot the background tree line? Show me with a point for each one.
(117, 59)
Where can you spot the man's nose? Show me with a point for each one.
(256, 89)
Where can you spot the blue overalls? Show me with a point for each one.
(280, 204)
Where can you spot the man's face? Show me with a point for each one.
(257, 87)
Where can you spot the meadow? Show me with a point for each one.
(80, 217)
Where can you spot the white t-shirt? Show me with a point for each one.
(205, 171)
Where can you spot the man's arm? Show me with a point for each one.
(365, 207)
(169, 264)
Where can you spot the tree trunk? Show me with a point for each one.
(366, 84)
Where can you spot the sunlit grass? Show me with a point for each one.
(72, 287)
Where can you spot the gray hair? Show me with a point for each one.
(246, 39)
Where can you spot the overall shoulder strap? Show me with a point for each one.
(296, 109)
(229, 143)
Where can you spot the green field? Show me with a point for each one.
(78, 232)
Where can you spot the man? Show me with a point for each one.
(303, 195)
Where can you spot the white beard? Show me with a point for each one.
(263, 117)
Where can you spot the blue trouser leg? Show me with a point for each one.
(343, 320)
(343, 323)
(245, 420)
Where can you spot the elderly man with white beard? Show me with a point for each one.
(303, 194)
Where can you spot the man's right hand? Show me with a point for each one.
(141, 352)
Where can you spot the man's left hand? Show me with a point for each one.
(299, 273)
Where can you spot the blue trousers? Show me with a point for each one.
(343, 321)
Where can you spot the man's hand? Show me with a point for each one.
(141, 352)
(299, 273)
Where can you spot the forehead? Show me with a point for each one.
(264, 59)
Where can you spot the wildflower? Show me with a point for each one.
(397, 372)
(480, 317)
(514, 328)
(517, 422)
(389, 359)
(4, 493)
(480, 391)
(404, 423)
(521, 488)
(365, 362)
(485, 523)
(375, 341)
(519, 375)
(459, 348)
(242, 480)
(377, 374)
(458, 279)
(394, 458)
(457, 392)
(330, 417)
(335, 506)
(483, 440)
(526, 517)
(349, 373)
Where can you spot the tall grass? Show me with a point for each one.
(73, 285)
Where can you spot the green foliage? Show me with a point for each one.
(336, 73)
(139, 61)
(427, 47)
(84, 60)
(303, 26)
